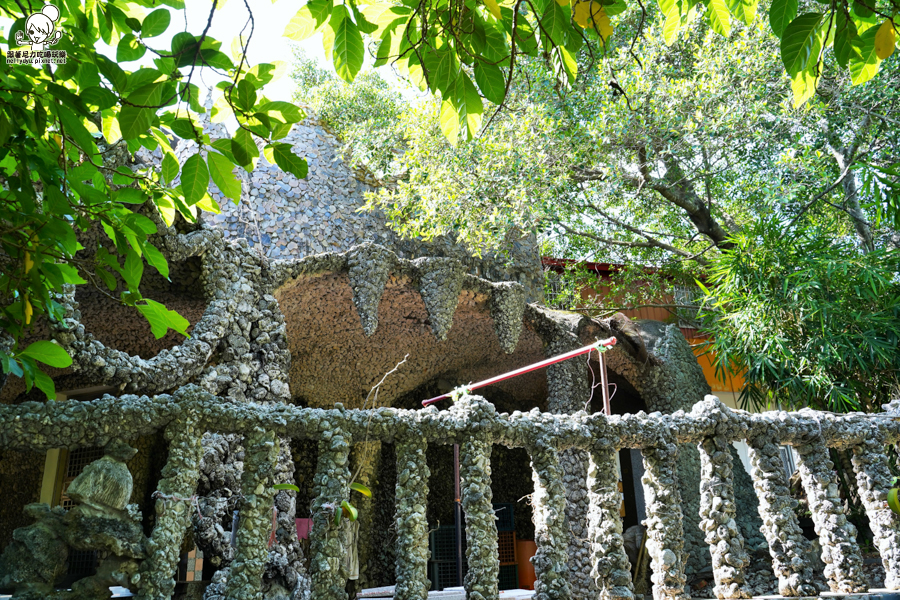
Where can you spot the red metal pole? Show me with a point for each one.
(608, 343)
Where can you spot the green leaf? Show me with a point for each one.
(800, 41)
(161, 319)
(244, 96)
(221, 169)
(76, 130)
(284, 157)
(186, 129)
(155, 23)
(48, 353)
(130, 196)
(129, 49)
(490, 81)
(134, 121)
(169, 168)
(744, 10)
(349, 510)
(864, 61)
(803, 85)
(361, 489)
(348, 45)
(449, 119)
(671, 26)
(283, 111)
(717, 13)
(43, 382)
(308, 20)
(133, 269)
(194, 179)
(286, 486)
(244, 149)
(443, 68)
(156, 259)
(555, 23)
(781, 13)
(470, 106)
(844, 36)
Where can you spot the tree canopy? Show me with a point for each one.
(68, 129)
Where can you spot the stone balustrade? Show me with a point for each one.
(474, 424)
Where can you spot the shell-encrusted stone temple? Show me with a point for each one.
(316, 333)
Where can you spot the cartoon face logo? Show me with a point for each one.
(41, 28)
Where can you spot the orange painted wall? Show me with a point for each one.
(733, 384)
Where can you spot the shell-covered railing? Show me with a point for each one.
(474, 424)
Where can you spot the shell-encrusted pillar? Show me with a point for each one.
(776, 508)
(369, 267)
(481, 580)
(569, 391)
(440, 282)
(874, 480)
(840, 552)
(612, 570)
(179, 479)
(507, 307)
(717, 519)
(412, 527)
(550, 526)
(256, 516)
(665, 529)
(332, 486)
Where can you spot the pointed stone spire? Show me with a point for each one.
(440, 282)
(369, 267)
(507, 308)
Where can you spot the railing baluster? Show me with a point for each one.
(665, 528)
(412, 526)
(874, 480)
(840, 553)
(783, 534)
(717, 519)
(332, 486)
(550, 535)
(179, 478)
(611, 568)
(481, 580)
(256, 512)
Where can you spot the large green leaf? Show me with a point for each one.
(490, 81)
(194, 179)
(302, 25)
(555, 23)
(443, 68)
(717, 13)
(348, 50)
(781, 13)
(244, 149)
(129, 49)
(155, 23)
(169, 167)
(283, 156)
(161, 319)
(744, 10)
(48, 353)
(470, 108)
(864, 61)
(802, 38)
(844, 36)
(449, 118)
(221, 169)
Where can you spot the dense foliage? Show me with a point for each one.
(469, 51)
(810, 320)
(690, 161)
(68, 130)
